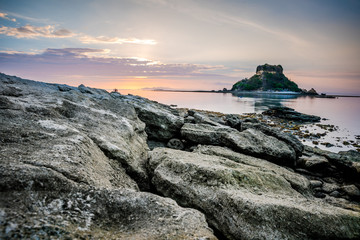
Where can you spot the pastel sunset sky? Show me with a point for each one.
(181, 44)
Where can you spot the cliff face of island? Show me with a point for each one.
(82, 163)
(267, 77)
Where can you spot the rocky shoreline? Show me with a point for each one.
(78, 162)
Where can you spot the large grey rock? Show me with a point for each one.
(247, 202)
(71, 163)
(162, 121)
(97, 214)
(87, 138)
(285, 137)
(250, 141)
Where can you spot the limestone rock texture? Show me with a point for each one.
(249, 201)
(72, 164)
(83, 163)
(250, 141)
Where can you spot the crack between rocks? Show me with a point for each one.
(67, 176)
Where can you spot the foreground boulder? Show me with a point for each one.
(250, 141)
(72, 162)
(79, 136)
(244, 201)
(97, 214)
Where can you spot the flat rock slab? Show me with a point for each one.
(247, 202)
(250, 141)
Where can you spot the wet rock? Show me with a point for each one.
(250, 141)
(246, 202)
(291, 114)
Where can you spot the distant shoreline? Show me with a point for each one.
(255, 93)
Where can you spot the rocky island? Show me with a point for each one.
(83, 163)
(269, 78)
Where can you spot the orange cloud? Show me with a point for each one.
(115, 40)
(5, 16)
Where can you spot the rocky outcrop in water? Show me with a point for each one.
(75, 163)
(290, 114)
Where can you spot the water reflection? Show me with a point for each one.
(262, 102)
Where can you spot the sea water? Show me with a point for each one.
(343, 112)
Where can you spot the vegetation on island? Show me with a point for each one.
(267, 77)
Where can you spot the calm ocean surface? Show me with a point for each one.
(343, 112)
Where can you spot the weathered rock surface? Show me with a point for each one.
(97, 214)
(285, 137)
(247, 202)
(162, 121)
(56, 143)
(291, 114)
(250, 141)
(71, 135)
(73, 161)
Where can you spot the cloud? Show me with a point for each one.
(115, 40)
(84, 61)
(49, 31)
(5, 16)
(29, 31)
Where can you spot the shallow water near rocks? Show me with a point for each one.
(342, 112)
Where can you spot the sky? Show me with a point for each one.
(187, 44)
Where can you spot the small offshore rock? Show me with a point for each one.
(291, 114)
